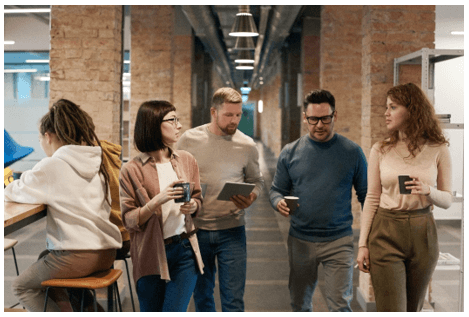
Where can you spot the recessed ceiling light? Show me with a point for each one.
(457, 33)
(8, 42)
(44, 10)
(40, 61)
(20, 70)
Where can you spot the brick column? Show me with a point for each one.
(340, 67)
(388, 32)
(161, 59)
(341, 53)
(310, 58)
(85, 62)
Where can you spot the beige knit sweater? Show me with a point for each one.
(431, 165)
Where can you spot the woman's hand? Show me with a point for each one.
(169, 193)
(417, 186)
(363, 259)
(188, 207)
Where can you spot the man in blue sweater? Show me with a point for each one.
(320, 168)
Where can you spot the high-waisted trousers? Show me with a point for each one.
(404, 252)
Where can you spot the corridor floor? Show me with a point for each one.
(267, 265)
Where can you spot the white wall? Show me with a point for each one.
(449, 94)
(28, 33)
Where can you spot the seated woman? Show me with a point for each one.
(74, 185)
(163, 247)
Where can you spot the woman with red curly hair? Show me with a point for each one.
(398, 241)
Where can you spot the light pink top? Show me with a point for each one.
(432, 166)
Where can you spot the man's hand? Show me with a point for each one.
(283, 208)
(243, 202)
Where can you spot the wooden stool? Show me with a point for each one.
(92, 282)
(7, 245)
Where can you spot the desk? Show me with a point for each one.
(17, 216)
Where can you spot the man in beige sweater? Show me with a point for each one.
(224, 154)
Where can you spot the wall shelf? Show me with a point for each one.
(427, 58)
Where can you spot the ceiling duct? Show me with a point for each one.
(280, 24)
(203, 23)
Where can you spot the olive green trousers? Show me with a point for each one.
(404, 252)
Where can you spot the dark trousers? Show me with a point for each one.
(403, 254)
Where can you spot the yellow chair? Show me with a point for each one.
(92, 282)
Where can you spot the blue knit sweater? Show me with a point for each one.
(322, 176)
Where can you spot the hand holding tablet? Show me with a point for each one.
(231, 189)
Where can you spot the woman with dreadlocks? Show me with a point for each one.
(74, 184)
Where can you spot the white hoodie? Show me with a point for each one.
(70, 184)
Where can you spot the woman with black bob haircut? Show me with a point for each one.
(164, 248)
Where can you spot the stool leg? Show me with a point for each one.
(14, 258)
(130, 284)
(82, 300)
(118, 299)
(95, 303)
(45, 301)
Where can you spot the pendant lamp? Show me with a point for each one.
(244, 23)
(245, 57)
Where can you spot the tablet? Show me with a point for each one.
(231, 189)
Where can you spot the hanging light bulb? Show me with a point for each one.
(244, 23)
(245, 57)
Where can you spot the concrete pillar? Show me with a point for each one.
(161, 59)
(388, 32)
(86, 62)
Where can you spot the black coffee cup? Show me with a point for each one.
(292, 203)
(402, 180)
(187, 193)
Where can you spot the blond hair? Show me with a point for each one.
(225, 94)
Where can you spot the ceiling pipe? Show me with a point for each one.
(201, 20)
(281, 22)
(260, 40)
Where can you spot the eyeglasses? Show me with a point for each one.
(324, 120)
(174, 121)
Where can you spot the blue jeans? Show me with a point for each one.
(229, 248)
(336, 258)
(157, 295)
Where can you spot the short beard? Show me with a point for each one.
(226, 130)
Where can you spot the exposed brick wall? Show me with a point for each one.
(389, 32)
(160, 62)
(340, 69)
(271, 117)
(85, 62)
(310, 59)
(340, 72)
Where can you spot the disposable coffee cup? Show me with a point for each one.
(17, 175)
(292, 203)
(187, 193)
(402, 180)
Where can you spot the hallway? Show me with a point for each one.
(267, 267)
